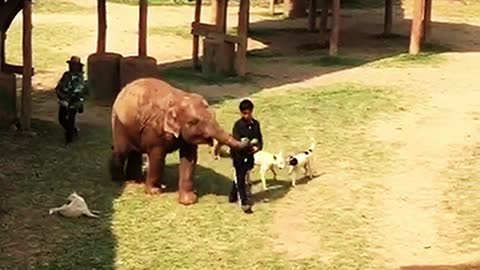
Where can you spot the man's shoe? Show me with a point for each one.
(247, 209)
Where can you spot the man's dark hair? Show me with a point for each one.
(246, 105)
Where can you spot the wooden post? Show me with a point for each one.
(2, 50)
(241, 58)
(335, 34)
(427, 20)
(388, 20)
(219, 14)
(324, 22)
(142, 28)
(312, 15)
(102, 26)
(272, 7)
(27, 66)
(295, 8)
(417, 27)
(196, 38)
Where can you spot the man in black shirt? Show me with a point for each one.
(245, 128)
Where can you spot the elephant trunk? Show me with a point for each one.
(225, 138)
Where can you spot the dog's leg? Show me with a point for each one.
(294, 177)
(310, 172)
(263, 171)
(274, 173)
(57, 209)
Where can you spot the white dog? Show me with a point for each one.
(268, 161)
(75, 208)
(219, 150)
(301, 160)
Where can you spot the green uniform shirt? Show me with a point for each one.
(72, 89)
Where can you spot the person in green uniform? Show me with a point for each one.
(71, 91)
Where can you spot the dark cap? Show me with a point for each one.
(75, 60)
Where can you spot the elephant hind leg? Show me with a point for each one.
(134, 166)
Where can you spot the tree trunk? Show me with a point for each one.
(27, 66)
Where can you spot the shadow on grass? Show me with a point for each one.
(38, 173)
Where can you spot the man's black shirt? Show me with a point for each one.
(245, 129)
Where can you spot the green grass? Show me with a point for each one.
(463, 187)
(55, 6)
(52, 44)
(432, 55)
(139, 232)
(177, 31)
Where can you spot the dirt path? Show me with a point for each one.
(425, 137)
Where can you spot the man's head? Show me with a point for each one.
(75, 64)
(246, 109)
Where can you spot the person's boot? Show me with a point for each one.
(247, 208)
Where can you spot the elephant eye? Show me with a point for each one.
(193, 122)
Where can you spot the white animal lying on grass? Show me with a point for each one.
(75, 208)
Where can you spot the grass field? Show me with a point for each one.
(358, 106)
(141, 232)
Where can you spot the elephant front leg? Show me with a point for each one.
(188, 161)
(156, 160)
(117, 162)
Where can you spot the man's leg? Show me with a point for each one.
(63, 116)
(242, 189)
(233, 197)
(70, 125)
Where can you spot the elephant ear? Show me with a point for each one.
(171, 123)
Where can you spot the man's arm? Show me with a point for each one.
(59, 89)
(260, 138)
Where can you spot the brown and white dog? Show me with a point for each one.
(301, 160)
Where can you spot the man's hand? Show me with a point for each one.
(254, 150)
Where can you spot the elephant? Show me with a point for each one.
(153, 117)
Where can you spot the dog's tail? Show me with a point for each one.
(312, 147)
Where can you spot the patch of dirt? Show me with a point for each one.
(294, 237)
(426, 138)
